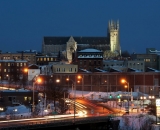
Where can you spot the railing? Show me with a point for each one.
(56, 123)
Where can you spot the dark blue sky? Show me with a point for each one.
(23, 23)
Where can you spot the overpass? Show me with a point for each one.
(89, 123)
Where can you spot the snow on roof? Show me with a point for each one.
(90, 56)
(13, 61)
(100, 70)
(151, 69)
(84, 70)
(90, 50)
(155, 51)
(17, 90)
(116, 70)
(135, 70)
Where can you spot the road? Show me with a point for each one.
(93, 107)
(44, 120)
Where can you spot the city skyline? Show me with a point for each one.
(25, 23)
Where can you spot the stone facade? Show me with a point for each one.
(54, 45)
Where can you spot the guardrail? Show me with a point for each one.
(57, 123)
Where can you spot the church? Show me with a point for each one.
(67, 45)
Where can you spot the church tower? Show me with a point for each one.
(71, 48)
(113, 30)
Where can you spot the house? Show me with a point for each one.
(17, 97)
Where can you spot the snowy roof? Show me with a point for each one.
(84, 70)
(18, 90)
(90, 56)
(90, 50)
(100, 70)
(13, 61)
(135, 70)
(114, 70)
(151, 69)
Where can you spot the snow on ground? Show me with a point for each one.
(136, 120)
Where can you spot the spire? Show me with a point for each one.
(109, 24)
(117, 24)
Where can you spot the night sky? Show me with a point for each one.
(24, 23)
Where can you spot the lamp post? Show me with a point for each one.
(15, 110)
(143, 98)
(57, 81)
(124, 81)
(74, 86)
(152, 99)
(34, 81)
(24, 77)
(82, 87)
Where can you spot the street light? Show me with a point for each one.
(143, 98)
(81, 77)
(74, 85)
(124, 81)
(23, 76)
(38, 80)
(15, 110)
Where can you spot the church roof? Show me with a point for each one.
(90, 50)
(80, 40)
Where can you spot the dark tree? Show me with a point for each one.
(55, 92)
(125, 54)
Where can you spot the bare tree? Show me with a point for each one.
(55, 92)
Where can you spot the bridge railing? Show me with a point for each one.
(54, 123)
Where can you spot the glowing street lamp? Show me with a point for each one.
(37, 80)
(74, 85)
(143, 98)
(25, 70)
(125, 82)
(81, 77)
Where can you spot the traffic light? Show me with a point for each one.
(118, 96)
(110, 96)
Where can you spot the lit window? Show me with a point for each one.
(147, 60)
(29, 98)
(25, 98)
